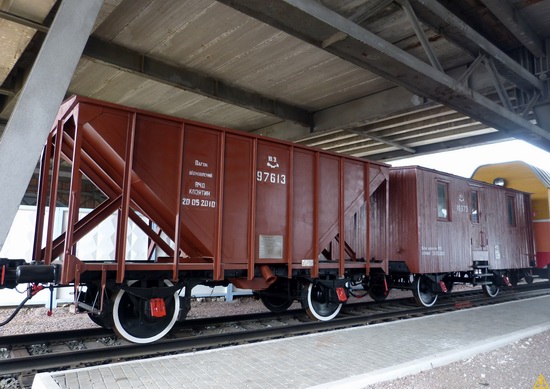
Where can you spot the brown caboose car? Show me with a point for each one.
(447, 229)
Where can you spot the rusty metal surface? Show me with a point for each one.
(429, 244)
(225, 199)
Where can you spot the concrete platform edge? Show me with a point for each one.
(44, 381)
(428, 363)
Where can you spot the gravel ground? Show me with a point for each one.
(32, 320)
(517, 365)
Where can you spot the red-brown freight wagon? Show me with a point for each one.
(447, 229)
(217, 206)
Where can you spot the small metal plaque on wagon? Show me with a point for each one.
(307, 262)
(271, 246)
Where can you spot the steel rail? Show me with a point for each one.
(349, 318)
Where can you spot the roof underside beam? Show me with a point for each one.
(368, 109)
(440, 19)
(413, 133)
(134, 62)
(455, 144)
(395, 102)
(315, 23)
(517, 25)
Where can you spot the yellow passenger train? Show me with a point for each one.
(524, 177)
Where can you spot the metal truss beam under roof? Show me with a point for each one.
(318, 25)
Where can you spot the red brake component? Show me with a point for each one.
(3, 275)
(158, 309)
(506, 281)
(341, 293)
(36, 288)
(443, 286)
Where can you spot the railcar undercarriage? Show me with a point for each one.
(427, 287)
(146, 306)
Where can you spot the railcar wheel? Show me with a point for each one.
(277, 298)
(378, 290)
(132, 322)
(490, 290)
(317, 304)
(528, 277)
(422, 291)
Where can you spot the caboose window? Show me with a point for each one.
(474, 206)
(511, 208)
(442, 201)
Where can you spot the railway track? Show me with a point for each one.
(22, 356)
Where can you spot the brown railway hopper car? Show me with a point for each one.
(448, 229)
(217, 206)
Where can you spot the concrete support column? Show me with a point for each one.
(33, 116)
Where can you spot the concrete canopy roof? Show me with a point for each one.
(379, 79)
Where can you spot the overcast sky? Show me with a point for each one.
(463, 162)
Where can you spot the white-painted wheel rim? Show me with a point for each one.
(314, 312)
(492, 290)
(420, 293)
(122, 332)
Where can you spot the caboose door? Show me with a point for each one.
(479, 239)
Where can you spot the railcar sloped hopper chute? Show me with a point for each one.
(217, 206)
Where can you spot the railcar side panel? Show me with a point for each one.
(272, 202)
(444, 229)
(375, 213)
(509, 229)
(218, 200)
(200, 194)
(329, 200)
(305, 204)
(404, 218)
(237, 199)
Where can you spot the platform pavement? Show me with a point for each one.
(348, 358)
